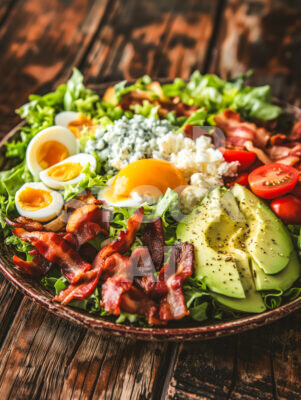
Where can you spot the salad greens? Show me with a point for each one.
(210, 94)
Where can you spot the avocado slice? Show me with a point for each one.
(208, 228)
(253, 302)
(267, 240)
(282, 281)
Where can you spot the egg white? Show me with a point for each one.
(134, 200)
(44, 214)
(81, 158)
(65, 117)
(53, 133)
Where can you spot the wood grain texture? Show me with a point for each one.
(160, 38)
(47, 358)
(39, 42)
(263, 36)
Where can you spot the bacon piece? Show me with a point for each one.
(125, 239)
(81, 290)
(118, 271)
(239, 131)
(277, 139)
(295, 134)
(134, 301)
(144, 274)
(179, 268)
(87, 222)
(259, 153)
(56, 250)
(27, 223)
(36, 267)
(86, 197)
(153, 239)
(290, 149)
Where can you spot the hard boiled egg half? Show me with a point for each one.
(68, 171)
(49, 147)
(34, 200)
(140, 181)
(74, 121)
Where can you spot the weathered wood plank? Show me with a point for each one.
(45, 357)
(158, 38)
(10, 299)
(40, 41)
(263, 36)
(204, 370)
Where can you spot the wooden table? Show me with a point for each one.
(43, 357)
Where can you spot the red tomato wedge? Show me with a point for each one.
(245, 158)
(273, 180)
(242, 180)
(288, 208)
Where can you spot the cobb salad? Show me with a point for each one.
(157, 202)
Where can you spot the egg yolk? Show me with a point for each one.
(50, 153)
(76, 125)
(147, 177)
(31, 199)
(65, 172)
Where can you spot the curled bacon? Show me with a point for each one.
(81, 290)
(125, 239)
(56, 250)
(86, 197)
(134, 301)
(26, 223)
(179, 268)
(153, 239)
(87, 222)
(143, 269)
(118, 270)
(36, 267)
(239, 131)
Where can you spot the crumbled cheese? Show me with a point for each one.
(129, 140)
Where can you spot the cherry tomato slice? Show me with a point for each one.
(242, 180)
(273, 180)
(288, 208)
(245, 158)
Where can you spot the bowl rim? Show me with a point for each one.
(104, 326)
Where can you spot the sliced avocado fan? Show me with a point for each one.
(268, 242)
(241, 248)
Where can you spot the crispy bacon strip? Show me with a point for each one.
(26, 223)
(179, 268)
(153, 239)
(86, 197)
(119, 277)
(134, 301)
(259, 153)
(37, 267)
(56, 250)
(125, 239)
(289, 149)
(81, 290)
(87, 222)
(144, 274)
(239, 131)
